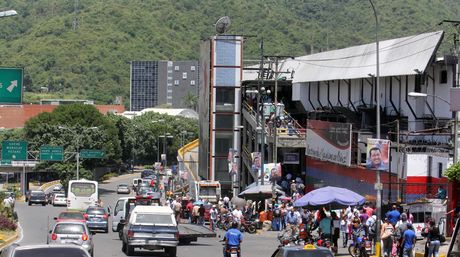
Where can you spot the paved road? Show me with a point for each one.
(36, 221)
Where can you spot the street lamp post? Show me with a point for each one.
(78, 137)
(417, 94)
(377, 182)
(165, 137)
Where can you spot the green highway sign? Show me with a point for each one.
(11, 85)
(91, 154)
(14, 150)
(51, 153)
(5, 162)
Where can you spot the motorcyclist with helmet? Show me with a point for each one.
(233, 238)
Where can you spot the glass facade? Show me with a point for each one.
(144, 77)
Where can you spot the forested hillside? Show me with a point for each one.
(90, 60)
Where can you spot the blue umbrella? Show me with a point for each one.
(334, 196)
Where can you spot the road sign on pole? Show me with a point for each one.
(11, 85)
(92, 154)
(14, 150)
(51, 153)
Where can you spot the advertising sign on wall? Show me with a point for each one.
(378, 153)
(272, 171)
(232, 161)
(329, 141)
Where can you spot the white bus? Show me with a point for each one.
(82, 194)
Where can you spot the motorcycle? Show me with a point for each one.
(287, 238)
(324, 242)
(232, 251)
(361, 247)
(224, 222)
(248, 226)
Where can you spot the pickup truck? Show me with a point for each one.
(151, 228)
(187, 232)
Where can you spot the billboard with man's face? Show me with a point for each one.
(378, 154)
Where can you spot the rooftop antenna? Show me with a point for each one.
(222, 25)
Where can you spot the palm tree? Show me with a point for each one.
(190, 101)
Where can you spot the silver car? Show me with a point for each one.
(72, 232)
(123, 189)
(16, 250)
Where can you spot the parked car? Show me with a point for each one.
(72, 232)
(123, 189)
(151, 227)
(59, 200)
(37, 197)
(44, 250)
(70, 216)
(97, 218)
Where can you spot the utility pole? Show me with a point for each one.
(378, 184)
(262, 137)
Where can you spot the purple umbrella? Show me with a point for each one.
(334, 196)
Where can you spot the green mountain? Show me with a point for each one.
(81, 48)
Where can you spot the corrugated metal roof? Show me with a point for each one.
(400, 56)
(187, 113)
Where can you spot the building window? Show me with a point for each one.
(192, 68)
(170, 64)
(184, 75)
(443, 77)
(440, 169)
(170, 78)
(176, 68)
(192, 82)
(169, 71)
(176, 82)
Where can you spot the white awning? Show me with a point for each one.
(400, 56)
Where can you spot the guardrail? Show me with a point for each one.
(182, 152)
(49, 184)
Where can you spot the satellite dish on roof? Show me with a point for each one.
(222, 25)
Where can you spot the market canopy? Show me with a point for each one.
(260, 191)
(334, 196)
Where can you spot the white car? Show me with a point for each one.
(59, 199)
(123, 188)
(57, 188)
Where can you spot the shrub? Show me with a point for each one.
(453, 172)
(7, 224)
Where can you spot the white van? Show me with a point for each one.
(119, 212)
(136, 181)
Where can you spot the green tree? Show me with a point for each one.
(75, 127)
(453, 172)
(190, 101)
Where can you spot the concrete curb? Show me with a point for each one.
(12, 239)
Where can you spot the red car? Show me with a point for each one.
(70, 216)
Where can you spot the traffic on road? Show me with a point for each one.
(103, 221)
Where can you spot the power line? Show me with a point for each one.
(365, 66)
(388, 48)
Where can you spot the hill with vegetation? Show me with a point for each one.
(82, 48)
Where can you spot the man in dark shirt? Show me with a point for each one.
(201, 211)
